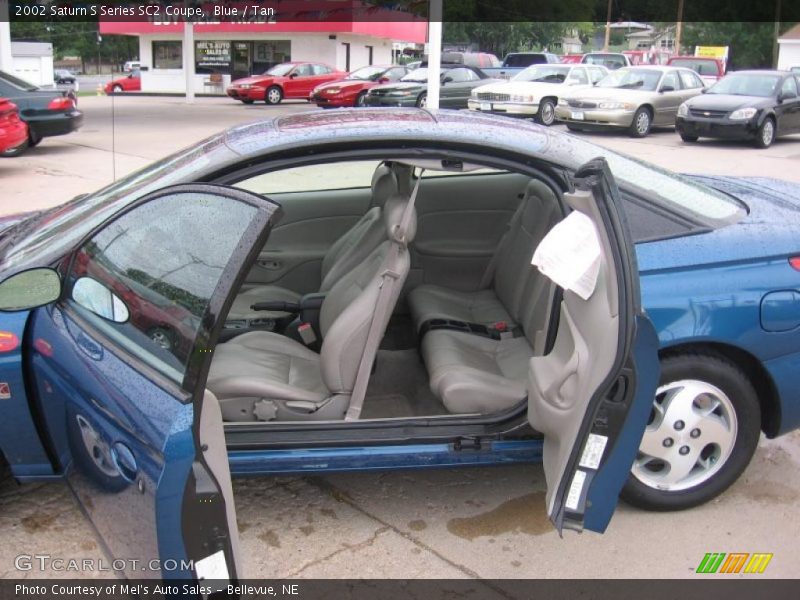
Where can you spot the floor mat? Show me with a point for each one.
(399, 387)
(400, 334)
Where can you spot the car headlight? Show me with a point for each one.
(742, 114)
(245, 86)
(334, 90)
(400, 93)
(521, 98)
(562, 102)
(608, 105)
(683, 110)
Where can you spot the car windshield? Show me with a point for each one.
(747, 84)
(632, 79)
(419, 75)
(524, 60)
(612, 61)
(280, 70)
(543, 74)
(703, 67)
(17, 82)
(367, 73)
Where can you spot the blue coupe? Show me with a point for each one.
(400, 288)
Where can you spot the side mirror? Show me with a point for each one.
(384, 80)
(96, 297)
(667, 88)
(292, 75)
(703, 90)
(447, 79)
(29, 289)
(783, 96)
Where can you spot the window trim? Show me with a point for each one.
(153, 44)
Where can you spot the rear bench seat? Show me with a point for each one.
(478, 374)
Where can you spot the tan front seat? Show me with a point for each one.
(345, 253)
(264, 376)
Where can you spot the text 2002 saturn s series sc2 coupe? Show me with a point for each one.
(394, 320)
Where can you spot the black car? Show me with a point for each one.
(47, 112)
(63, 76)
(751, 105)
(457, 82)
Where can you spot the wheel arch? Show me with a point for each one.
(650, 109)
(753, 369)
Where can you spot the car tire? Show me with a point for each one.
(688, 138)
(696, 383)
(422, 100)
(765, 134)
(361, 100)
(117, 89)
(90, 454)
(162, 337)
(34, 139)
(248, 101)
(546, 114)
(641, 123)
(273, 95)
(13, 152)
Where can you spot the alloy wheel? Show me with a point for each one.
(690, 436)
(97, 450)
(767, 133)
(643, 123)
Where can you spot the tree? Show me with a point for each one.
(749, 44)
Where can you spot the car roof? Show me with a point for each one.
(761, 72)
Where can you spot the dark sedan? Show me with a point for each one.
(47, 112)
(457, 82)
(63, 76)
(749, 105)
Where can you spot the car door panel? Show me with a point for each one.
(460, 220)
(143, 444)
(312, 222)
(590, 396)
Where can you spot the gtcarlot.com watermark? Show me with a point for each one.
(49, 563)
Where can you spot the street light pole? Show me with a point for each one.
(5, 38)
(434, 52)
(679, 27)
(607, 40)
(188, 59)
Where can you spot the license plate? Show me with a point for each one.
(577, 115)
(486, 106)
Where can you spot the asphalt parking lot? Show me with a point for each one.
(467, 523)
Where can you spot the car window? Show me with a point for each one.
(320, 69)
(461, 75)
(160, 268)
(16, 82)
(524, 60)
(631, 78)
(395, 74)
(543, 74)
(302, 71)
(747, 84)
(789, 87)
(596, 74)
(313, 178)
(690, 80)
(610, 61)
(578, 76)
(670, 80)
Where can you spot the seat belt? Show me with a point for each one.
(389, 279)
(488, 274)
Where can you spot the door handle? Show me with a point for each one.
(270, 264)
(124, 461)
(89, 347)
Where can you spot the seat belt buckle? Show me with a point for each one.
(501, 330)
(306, 333)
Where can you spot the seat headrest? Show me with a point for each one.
(393, 212)
(384, 185)
(540, 202)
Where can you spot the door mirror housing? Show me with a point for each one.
(30, 289)
(384, 79)
(96, 297)
(783, 96)
(667, 88)
(292, 75)
(447, 79)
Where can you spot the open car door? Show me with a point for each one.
(592, 394)
(120, 366)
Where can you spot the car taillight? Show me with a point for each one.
(8, 341)
(794, 261)
(61, 104)
(9, 113)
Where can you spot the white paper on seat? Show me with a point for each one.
(570, 254)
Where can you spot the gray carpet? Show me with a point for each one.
(399, 388)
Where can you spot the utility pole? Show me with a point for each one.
(679, 27)
(775, 45)
(608, 28)
(188, 59)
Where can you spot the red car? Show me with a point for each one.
(13, 130)
(286, 80)
(352, 90)
(129, 83)
(710, 69)
(572, 59)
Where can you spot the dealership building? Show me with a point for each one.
(224, 51)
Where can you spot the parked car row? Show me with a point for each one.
(43, 112)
